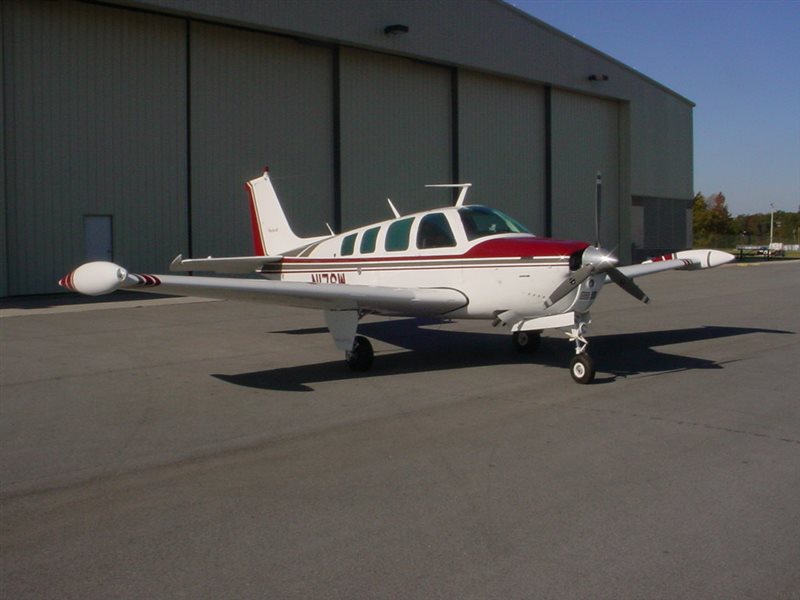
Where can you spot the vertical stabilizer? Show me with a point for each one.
(272, 234)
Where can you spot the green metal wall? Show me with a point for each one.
(95, 123)
(256, 100)
(502, 145)
(158, 120)
(396, 134)
(586, 139)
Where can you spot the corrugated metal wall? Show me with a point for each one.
(158, 121)
(396, 135)
(662, 146)
(501, 134)
(95, 122)
(3, 227)
(585, 139)
(258, 99)
(663, 223)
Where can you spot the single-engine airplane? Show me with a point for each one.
(460, 262)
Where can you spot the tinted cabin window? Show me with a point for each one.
(434, 232)
(349, 244)
(480, 221)
(397, 235)
(368, 240)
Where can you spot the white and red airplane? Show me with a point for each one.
(461, 262)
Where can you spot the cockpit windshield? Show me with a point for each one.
(480, 221)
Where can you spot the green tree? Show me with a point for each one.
(711, 220)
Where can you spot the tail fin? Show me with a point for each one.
(272, 234)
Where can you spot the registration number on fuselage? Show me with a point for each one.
(328, 278)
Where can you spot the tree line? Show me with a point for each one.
(714, 227)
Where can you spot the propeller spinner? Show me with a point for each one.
(595, 261)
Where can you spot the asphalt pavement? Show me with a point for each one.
(162, 448)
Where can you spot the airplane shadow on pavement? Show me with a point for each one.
(432, 347)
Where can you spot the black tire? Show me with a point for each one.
(527, 342)
(582, 368)
(361, 356)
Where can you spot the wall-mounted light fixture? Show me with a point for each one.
(397, 29)
(598, 77)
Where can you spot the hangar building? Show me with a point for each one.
(130, 126)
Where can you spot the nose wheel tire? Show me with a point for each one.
(360, 357)
(527, 342)
(582, 368)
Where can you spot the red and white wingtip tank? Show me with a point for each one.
(462, 261)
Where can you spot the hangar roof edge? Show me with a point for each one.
(434, 36)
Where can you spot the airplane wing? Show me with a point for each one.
(97, 278)
(686, 260)
(236, 264)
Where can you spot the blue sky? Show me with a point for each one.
(738, 60)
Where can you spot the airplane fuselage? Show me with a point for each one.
(513, 270)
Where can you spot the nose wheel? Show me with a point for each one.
(581, 367)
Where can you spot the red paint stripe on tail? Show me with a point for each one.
(258, 242)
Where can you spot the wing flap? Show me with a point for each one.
(235, 264)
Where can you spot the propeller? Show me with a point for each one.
(626, 283)
(594, 261)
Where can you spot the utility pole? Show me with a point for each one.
(771, 221)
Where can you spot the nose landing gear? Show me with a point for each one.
(581, 367)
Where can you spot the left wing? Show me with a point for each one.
(98, 278)
(686, 260)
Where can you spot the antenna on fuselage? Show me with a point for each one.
(598, 184)
(461, 196)
(394, 210)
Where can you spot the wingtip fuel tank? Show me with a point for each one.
(95, 278)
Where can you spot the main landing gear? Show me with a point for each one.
(581, 367)
(361, 356)
(527, 342)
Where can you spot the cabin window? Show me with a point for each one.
(480, 221)
(368, 239)
(349, 244)
(397, 235)
(435, 232)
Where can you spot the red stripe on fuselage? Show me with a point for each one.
(505, 252)
(524, 248)
(493, 248)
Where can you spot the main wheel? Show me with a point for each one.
(360, 357)
(526, 341)
(582, 368)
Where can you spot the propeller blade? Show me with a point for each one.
(626, 283)
(574, 280)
